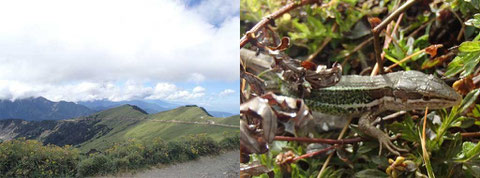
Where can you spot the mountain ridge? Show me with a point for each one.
(40, 108)
(102, 129)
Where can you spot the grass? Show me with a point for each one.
(173, 131)
(127, 123)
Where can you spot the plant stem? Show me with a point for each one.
(318, 140)
(268, 19)
(470, 134)
(378, 29)
(426, 157)
(331, 154)
(309, 155)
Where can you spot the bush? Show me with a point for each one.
(29, 158)
(230, 143)
(157, 152)
(97, 163)
(135, 160)
(120, 164)
(177, 152)
(202, 145)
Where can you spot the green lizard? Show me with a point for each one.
(368, 96)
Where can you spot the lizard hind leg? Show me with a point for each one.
(365, 125)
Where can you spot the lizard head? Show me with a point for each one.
(416, 90)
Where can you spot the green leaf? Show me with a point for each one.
(369, 173)
(469, 151)
(465, 62)
(473, 169)
(454, 67)
(467, 122)
(407, 128)
(476, 111)
(318, 26)
(367, 147)
(470, 46)
(301, 27)
(474, 22)
(471, 97)
(453, 147)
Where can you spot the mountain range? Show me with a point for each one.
(102, 129)
(40, 108)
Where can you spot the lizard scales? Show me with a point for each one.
(404, 90)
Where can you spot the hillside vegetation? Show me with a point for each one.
(118, 139)
(103, 129)
(292, 49)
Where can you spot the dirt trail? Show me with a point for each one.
(223, 165)
(200, 123)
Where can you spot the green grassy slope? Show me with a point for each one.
(232, 120)
(119, 120)
(127, 122)
(155, 126)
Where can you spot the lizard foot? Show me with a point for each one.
(385, 140)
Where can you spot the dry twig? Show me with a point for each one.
(250, 35)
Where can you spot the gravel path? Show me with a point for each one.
(223, 165)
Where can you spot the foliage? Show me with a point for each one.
(135, 154)
(451, 151)
(98, 163)
(29, 158)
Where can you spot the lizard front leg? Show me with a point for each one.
(365, 125)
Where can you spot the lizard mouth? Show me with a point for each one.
(435, 102)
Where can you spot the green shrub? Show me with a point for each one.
(135, 160)
(201, 145)
(120, 164)
(230, 143)
(97, 163)
(29, 158)
(157, 152)
(177, 152)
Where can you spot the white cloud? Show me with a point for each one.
(226, 92)
(198, 89)
(55, 41)
(88, 50)
(169, 91)
(88, 91)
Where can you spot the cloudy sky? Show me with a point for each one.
(176, 51)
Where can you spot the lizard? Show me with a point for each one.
(368, 96)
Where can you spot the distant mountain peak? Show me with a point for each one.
(104, 104)
(204, 110)
(137, 108)
(40, 108)
(201, 108)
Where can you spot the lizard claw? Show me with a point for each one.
(365, 126)
(385, 140)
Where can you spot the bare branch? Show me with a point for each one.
(268, 19)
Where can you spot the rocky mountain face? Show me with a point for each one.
(37, 109)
